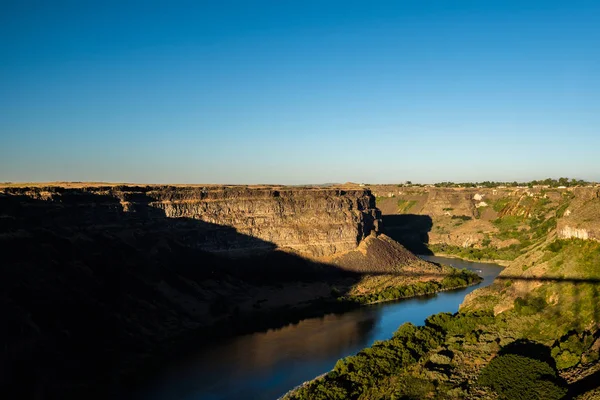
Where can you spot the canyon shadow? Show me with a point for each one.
(410, 230)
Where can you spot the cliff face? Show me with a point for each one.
(582, 217)
(483, 217)
(309, 222)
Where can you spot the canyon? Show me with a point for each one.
(102, 282)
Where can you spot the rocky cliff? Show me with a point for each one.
(98, 280)
(502, 218)
(311, 222)
(581, 218)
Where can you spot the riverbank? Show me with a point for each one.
(456, 280)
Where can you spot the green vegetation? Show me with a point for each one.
(457, 279)
(401, 367)
(500, 204)
(380, 199)
(405, 205)
(516, 377)
(517, 354)
(573, 348)
(530, 221)
(553, 183)
(560, 211)
(485, 253)
(353, 376)
(462, 217)
(529, 305)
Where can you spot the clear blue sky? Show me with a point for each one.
(299, 91)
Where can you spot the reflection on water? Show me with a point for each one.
(265, 365)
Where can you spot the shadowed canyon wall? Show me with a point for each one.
(311, 222)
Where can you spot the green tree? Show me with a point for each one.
(524, 371)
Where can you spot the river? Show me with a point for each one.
(265, 365)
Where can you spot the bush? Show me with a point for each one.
(462, 217)
(460, 323)
(556, 246)
(353, 375)
(530, 305)
(517, 377)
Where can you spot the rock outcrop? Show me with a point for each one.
(581, 219)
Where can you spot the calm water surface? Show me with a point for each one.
(266, 365)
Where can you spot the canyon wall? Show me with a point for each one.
(582, 217)
(520, 228)
(481, 217)
(310, 221)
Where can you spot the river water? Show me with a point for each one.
(266, 365)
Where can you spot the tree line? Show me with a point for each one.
(549, 182)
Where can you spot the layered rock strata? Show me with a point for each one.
(466, 217)
(310, 222)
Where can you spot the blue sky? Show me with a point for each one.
(299, 92)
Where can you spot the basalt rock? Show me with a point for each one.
(310, 222)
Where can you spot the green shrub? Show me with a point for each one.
(517, 377)
(569, 349)
(412, 388)
(462, 217)
(460, 323)
(353, 375)
(556, 246)
(530, 305)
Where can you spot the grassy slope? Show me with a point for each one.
(520, 223)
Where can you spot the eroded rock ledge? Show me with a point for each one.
(311, 222)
